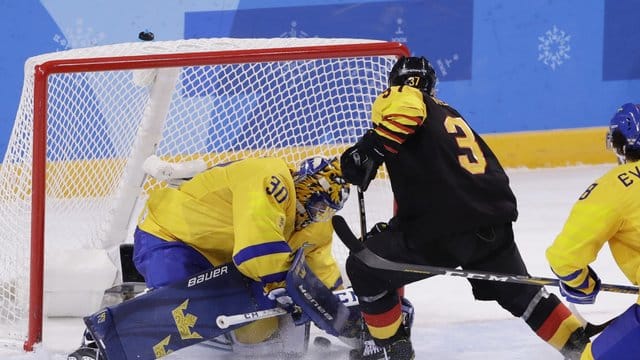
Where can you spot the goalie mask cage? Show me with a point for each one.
(72, 174)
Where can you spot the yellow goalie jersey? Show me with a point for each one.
(243, 212)
(608, 210)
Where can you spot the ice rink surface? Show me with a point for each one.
(449, 323)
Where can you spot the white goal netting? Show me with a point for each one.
(108, 108)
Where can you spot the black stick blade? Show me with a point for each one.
(345, 234)
(594, 329)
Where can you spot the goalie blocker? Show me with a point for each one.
(182, 314)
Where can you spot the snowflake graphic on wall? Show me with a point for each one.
(294, 32)
(554, 47)
(79, 36)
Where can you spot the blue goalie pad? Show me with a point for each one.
(319, 303)
(175, 316)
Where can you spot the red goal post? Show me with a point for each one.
(89, 117)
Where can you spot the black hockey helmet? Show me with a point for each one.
(414, 71)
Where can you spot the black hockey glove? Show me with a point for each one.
(383, 232)
(380, 227)
(360, 162)
(377, 229)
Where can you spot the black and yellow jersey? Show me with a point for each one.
(444, 177)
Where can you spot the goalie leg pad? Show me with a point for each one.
(257, 331)
(169, 318)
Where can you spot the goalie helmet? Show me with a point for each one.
(416, 72)
(320, 190)
(624, 132)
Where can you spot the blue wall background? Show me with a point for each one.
(507, 65)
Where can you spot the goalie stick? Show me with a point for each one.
(346, 296)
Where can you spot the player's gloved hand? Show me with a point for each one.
(360, 162)
(584, 294)
(378, 228)
(383, 232)
(284, 301)
(382, 227)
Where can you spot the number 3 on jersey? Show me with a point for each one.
(466, 140)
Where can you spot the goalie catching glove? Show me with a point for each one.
(360, 162)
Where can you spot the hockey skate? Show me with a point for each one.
(574, 347)
(88, 350)
(398, 347)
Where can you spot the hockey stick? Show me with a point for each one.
(224, 321)
(346, 296)
(363, 214)
(595, 329)
(589, 328)
(373, 260)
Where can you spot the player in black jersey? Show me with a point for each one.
(454, 207)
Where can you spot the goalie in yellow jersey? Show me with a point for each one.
(255, 213)
(607, 211)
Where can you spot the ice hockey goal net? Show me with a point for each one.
(72, 174)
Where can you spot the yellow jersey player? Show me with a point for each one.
(607, 211)
(454, 208)
(253, 212)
